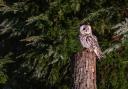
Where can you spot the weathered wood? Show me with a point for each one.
(84, 70)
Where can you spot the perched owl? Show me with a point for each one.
(88, 40)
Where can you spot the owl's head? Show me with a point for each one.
(85, 29)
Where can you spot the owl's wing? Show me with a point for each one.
(92, 43)
(97, 49)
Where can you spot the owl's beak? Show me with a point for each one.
(86, 33)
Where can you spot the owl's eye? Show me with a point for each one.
(83, 28)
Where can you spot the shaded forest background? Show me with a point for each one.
(38, 38)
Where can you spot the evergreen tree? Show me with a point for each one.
(38, 37)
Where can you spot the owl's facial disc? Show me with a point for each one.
(85, 29)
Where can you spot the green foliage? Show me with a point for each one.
(37, 39)
(111, 73)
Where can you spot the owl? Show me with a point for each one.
(89, 41)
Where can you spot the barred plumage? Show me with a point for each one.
(88, 40)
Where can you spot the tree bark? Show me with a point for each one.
(84, 70)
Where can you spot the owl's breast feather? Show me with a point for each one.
(83, 40)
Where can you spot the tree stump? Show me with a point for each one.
(84, 70)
